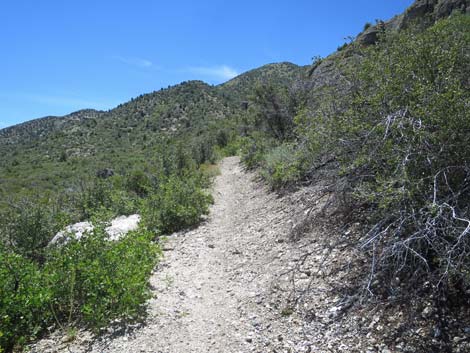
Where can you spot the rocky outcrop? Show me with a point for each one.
(119, 227)
(122, 225)
(433, 10)
(421, 11)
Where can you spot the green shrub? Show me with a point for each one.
(404, 152)
(29, 225)
(281, 166)
(254, 148)
(92, 282)
(138, 182)
(24, 300)
(232, 148)
(178, 203)
(114, 196)
(97, 281)
(274, 110)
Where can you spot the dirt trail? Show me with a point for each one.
(239, 283)
(211, 290)
(211, 279)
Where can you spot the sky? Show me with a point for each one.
(59, 56)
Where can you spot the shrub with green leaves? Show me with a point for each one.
(178, 203)
(404, 152)
(29, 225)
(96, 280)
(254, 148)
(24, 300)
(281, 166)
(89, 282)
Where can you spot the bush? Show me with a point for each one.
(24, 300)
(29, 225)
(404, 153)
(274, 110)
(96, 281)
(281, 166)
(254, 149)
(138, 182)
(178, 203)
(114, 196)
(92, 282)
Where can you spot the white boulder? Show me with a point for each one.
(119, 227)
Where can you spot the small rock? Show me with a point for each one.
(427, 312)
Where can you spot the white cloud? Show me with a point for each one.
(222, 72)
(73, 102)
(133, 61)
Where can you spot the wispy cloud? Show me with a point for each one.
(134, 61)
(73, 102)
(222, 72)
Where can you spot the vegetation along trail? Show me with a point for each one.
(210, 291)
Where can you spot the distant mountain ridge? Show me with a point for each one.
(51, 152)
(39, 127)
(425, 11)
(91, 137)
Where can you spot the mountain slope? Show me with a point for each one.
(52, 153)
(379, 115)
(241, 87)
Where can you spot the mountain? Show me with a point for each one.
(49, 153)
(33, 153)
(241, 87)
(42, 127)
(372, 139)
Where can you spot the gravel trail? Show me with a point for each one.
(249, 279)
(211, 289)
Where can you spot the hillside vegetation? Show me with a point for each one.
(396, 147)
(391, 148)
(153, 155)
(383, 123)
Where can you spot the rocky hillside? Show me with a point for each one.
(368, 148)
(241, 87)
(39, 149)
(43, 127)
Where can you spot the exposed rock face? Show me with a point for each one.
(422, 11)
(369, 36)
(119, 227)
(433, 10)
(446, 7)
(419, 9)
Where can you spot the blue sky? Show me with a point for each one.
(59, 56)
